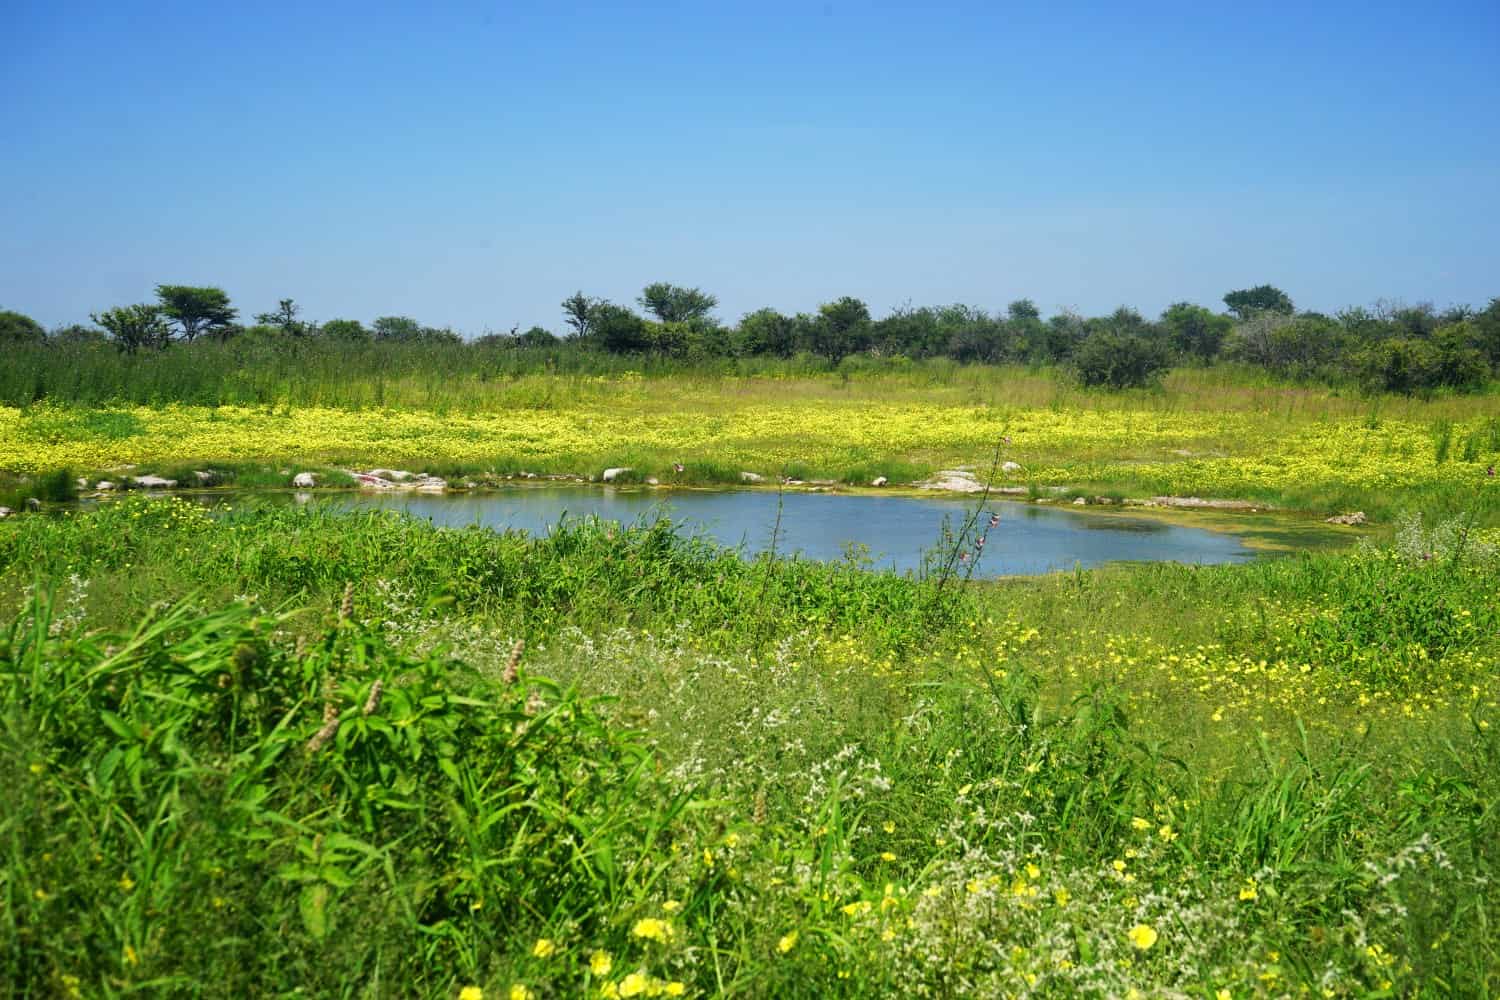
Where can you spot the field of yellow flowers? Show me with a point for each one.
(1278, 446)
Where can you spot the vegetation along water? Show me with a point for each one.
(326, 749)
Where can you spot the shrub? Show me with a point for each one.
(1119, 362)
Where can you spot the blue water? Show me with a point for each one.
(895, 531)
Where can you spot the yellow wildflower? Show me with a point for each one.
(887, 856)
(1140, 824)
(1143, 936)
(544, 948)
(671, 906)
(787, 943)
(653, 929)
(471, 993)
(633, 985)
(600, 963)
(674, 989)
(518, 991)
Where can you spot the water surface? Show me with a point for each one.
(893, 531)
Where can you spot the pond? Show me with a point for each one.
(893, 531)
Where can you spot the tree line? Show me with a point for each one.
(1390, 346)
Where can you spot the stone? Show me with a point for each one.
(154, 483)
(432, 484)
(1358, 517)
(879, 481)
(394, 475)
(954, 481)
(6, 512)
(32, 503)
(305, 480)
(1080, 502)
(751, 477)
(652, 481)
(83, 484)
(610, 475)
(1010, 467)
(206, 477)
(104, 485)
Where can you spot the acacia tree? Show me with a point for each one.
(1247, 302)
(285, 318)
(673, 304)
(578, 312)
(842, 328)
(134, 328)
(196, 309)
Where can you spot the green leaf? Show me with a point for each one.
(313, 904)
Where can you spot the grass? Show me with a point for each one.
(1206, 432)
(321, 736)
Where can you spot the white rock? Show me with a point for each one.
(104, 485)
(955, 481)
(206, 477)
(610, 475)
(305, 480)
(1358, 517)
(1010, 467)
(879, 481)
(6, 512)
(751, 477)
(32, 503)
(83, 484)
(1080, 502)
(154, 483)
(432, 484)
(394, 475)
(652, 481)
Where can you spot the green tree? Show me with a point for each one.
(1195, 331)
(136, 328)
(1399, 365)
(18, 328)
(537, 336)
(842, 328)
(348, 331)
(578, 312)
(618, 330)
(1246, 302)
(1487, 332)
(1022, 309)
(673, 304)
(767, 331)
(1119, 361)
(196, 309)
(285, 319)
(397, 329)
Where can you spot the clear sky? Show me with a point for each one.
(471, 165)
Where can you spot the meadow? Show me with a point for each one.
(1214, 433)
(277, 750)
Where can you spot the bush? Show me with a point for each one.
(1119, 362)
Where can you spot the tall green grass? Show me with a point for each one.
(287, 752)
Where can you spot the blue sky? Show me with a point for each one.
(473, 164)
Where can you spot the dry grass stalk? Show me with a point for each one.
(513, 665)
(329, 728)
(346, 606)
(373, 702)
